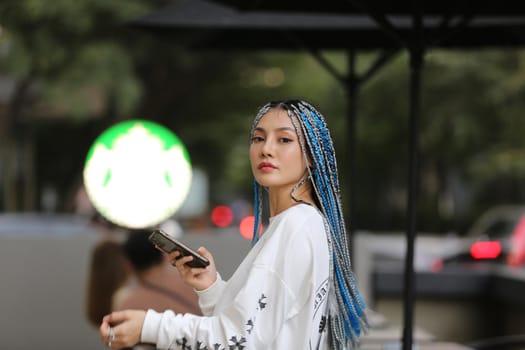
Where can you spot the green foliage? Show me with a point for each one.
(102, 71)
(68, 49)
(470, 131)
(477, 126)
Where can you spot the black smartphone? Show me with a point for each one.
(169, 244)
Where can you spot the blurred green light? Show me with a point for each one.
(137, 173)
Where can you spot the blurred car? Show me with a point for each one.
(497, 236)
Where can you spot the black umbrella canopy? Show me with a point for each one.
(400, 7)
(209, 25)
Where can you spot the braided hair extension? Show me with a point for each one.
(346, 307)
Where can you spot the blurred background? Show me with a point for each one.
(69, 70)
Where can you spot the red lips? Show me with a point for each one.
(266, 166)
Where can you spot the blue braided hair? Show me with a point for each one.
(347, 319)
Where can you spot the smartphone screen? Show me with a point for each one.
(169, 245)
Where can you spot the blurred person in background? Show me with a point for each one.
(295, 289)
(134, 274)
(107, 273)
(154, 283)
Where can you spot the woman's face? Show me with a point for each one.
(275, 152)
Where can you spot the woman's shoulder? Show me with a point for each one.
(299, 233)
(301, 221)
(301, 215)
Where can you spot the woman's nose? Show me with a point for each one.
(267, 148)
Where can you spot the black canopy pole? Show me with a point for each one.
(351, 90)
(416, 51)
(353, 83)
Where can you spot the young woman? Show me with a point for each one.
(295, 289)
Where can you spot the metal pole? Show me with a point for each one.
(416, 63)
(351, 88)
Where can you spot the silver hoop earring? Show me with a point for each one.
(301, 182)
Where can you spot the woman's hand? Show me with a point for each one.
(198, 278)
(126, 330)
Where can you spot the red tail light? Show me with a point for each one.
(437, 265)
(516, 256)
(485, 250)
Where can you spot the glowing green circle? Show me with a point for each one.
(137, 173)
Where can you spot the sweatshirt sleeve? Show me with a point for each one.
(252, 321)
(209, 297)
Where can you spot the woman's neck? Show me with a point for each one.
(281, 199)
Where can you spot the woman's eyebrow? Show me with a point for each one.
(284, 128)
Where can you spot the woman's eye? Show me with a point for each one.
(257, 139)
(285, 140)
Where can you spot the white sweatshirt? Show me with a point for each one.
(275, 300)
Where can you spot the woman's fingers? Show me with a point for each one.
(180, 262)
(104, 332)
(122, 329)
(177, 260)
(107, 331)
(205, 253)
(174, 255)
(115, 317)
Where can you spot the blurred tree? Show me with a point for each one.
(472, 129)
(470, 139)
(53, 50)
